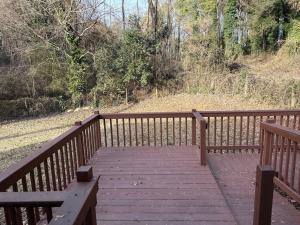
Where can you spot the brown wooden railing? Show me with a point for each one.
(146, 129)
(281, 150)
(81, 198)
(52, 167)
(226, 130)
(240, 130)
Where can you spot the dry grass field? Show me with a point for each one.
(20, 137)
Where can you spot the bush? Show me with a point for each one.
(30, 107)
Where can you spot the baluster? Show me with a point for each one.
(161, 131)
(74, 148)
(118, 135)
(281, 158)
(247, 132)
(129, 125)
(17, 214)
(221, 135)
(228, 130)
(215, 133)
(148, 131)
(58, 171)
(193, 128)
(154, 131)
(241, 131)
(234, 130)
(135, 129)
(53, 177)
(293, 166)
(287, 162)
(65, 147)
(173, 131)
(167, 131)
(123, 126)
(253, 132)
(142, 131)
(104, 131)
(276, 152)
(71, 158)
(29, 210)
(63, 169)
(111, 133)
(33, 188)
(179, 130)
(99, 131)
(186, 131)
(208, 131)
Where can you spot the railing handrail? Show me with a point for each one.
(145, 115)
(269, 112)
(33, 199)
(20, 169)
(278, 129)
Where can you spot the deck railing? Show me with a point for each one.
(81, 197)
(226, 130)
(281, 150)
(146, 129)
(52, 167)
(240, 130)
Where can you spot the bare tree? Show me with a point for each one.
(123, 14)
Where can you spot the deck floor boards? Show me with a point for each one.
(157, 186)
(235, 174)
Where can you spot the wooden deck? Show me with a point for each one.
(235, 174)
(157, 186)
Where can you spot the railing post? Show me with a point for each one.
(85, 174)
(263, 195)
(267, 145)
(80, 149)
(203, 142)
(98, 136)
(193, 128)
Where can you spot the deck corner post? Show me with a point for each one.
(193, 128)
(84, 174)
(263, 195)
(79, 143)
(203, 158)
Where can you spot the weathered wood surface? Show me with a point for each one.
(235, 174)
(156, 186)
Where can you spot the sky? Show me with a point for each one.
(130, 7)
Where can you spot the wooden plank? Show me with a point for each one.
(32, 199)
(164, 184)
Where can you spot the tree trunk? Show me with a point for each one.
(123, 14)
(126, 96)
(220, 23)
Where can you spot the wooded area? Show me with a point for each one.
(60, 54)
